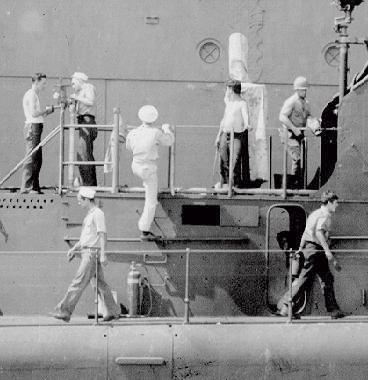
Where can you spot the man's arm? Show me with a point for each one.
(35, 112)
(3, 231)
(284, 117)
(330, 257)
(71, 253)
(320, 234)
(302, 243)
(166, 137)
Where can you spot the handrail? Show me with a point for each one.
(48, 138)
(72, 162)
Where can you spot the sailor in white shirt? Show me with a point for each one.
(32, 132)
(92, 242)
(143, 142)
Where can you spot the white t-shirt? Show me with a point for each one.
(93, 223)
(31, 105)
(318, 220)
(144, 141)
(87, 94)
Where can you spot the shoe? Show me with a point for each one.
(36, 192)
(24, 192)
(110, 317)
(337, 314)
(284, 312)
(63, 316)
(148, 236)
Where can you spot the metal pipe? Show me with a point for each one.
(284, 169)
(71, 155)
(344, 47)
(96, 163)
(115, 152)
(108, 127)
(305, 164)
(231, 166)
(290, 299)
(96, 290)
(186, 299)
(172, 157)
(364, 297)
(61, 150)
(270, 162)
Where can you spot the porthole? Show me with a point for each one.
(209, 51)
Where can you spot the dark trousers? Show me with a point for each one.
(225, 157)
(32, 166)
(315, 263)
(85, 150)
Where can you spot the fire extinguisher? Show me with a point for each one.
(133, 289)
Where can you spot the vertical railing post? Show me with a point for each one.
(61, 150)
(96, 290)
(290, 298)
(186, 297)
(231, 165)
(172, 153)
(115, 152)
(305, 164)
(284, 170)
(270, 163)
(71, 156)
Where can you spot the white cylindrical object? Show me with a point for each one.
(238, 57)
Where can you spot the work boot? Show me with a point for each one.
(110, 317)
(148, 236)
(337, 314)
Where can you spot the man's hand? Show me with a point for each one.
(337, 265)
(166, 128)
(217, 143)
(103, 260)
(49, 110)
(70, 255)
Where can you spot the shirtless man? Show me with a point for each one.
(293, 115)
(235, 119)
(32, 132)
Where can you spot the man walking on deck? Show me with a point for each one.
(143, 142)
(293, 115)
(32, 133)
(317, 255)
(85, 108)
(92, 242)
(236, 120)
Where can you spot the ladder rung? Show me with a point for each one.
(97, 163)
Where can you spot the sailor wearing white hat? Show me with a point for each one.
(92, 242)
(143, 142)
(85, 108)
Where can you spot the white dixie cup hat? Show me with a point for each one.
(87, 192)
(148, 114)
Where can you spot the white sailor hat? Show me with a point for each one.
(81, 76)
(148, 114)
(86, 192)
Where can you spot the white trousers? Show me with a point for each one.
(148, 174)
